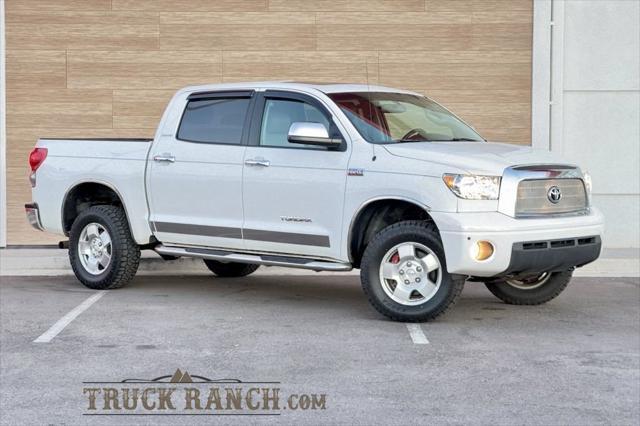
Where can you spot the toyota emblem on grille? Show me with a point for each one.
(554, 194)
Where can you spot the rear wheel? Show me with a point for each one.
(404, 273)
(230, 269)
(102, 251)
(534, 290)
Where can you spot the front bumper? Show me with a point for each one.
(533, 257)
(33, 216)
(552, 243)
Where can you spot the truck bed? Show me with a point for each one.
(119, 164)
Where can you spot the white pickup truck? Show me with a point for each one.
(326, 177)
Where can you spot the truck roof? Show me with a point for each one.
(324, 87)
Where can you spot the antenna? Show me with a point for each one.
(366, 65)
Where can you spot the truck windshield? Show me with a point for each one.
(384, 118)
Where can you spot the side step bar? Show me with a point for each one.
(260, 259)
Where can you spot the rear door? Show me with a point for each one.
(293, 194)
(195, 176)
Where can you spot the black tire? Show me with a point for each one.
(125, 253)
(230, 269)
(421, 232)
(554, 285)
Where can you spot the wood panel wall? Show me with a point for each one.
(106, 68)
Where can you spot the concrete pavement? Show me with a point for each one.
(573, 361)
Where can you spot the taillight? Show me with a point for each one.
(36, 158)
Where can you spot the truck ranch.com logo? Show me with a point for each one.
(186, 394)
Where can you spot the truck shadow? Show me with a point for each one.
(316, 295)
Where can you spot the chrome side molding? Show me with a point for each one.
(260, 259)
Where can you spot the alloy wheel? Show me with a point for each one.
(95, 248)
(410, 273)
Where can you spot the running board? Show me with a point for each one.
(259, 259)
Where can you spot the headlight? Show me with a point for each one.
(472, 187)
(586, 177)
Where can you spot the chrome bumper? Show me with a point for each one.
(33, 216)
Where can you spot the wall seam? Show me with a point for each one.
(541, 79)
(556, 124)
(3, 130)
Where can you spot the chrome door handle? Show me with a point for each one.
(165, 157)
(256, 162)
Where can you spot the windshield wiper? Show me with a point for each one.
(455, 140)
(436, 140)
(410, 140)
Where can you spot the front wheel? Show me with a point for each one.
(230, 269)
(404, 273)
(534, 290)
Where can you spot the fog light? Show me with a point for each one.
(482, 250)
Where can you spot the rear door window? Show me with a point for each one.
(217, 120)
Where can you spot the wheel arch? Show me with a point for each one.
(84, 194)
(376, 214)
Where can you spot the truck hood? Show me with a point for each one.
(474, 157)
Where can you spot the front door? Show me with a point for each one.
(293, 194)
(195, 175)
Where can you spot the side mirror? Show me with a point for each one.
(309, 133)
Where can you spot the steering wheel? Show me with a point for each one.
(415, 134)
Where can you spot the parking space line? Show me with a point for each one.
(417, 335)
(56, 328)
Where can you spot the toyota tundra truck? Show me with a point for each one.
(326, 177)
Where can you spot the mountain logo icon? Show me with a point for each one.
(180, 377)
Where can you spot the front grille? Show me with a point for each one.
(533, 197)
